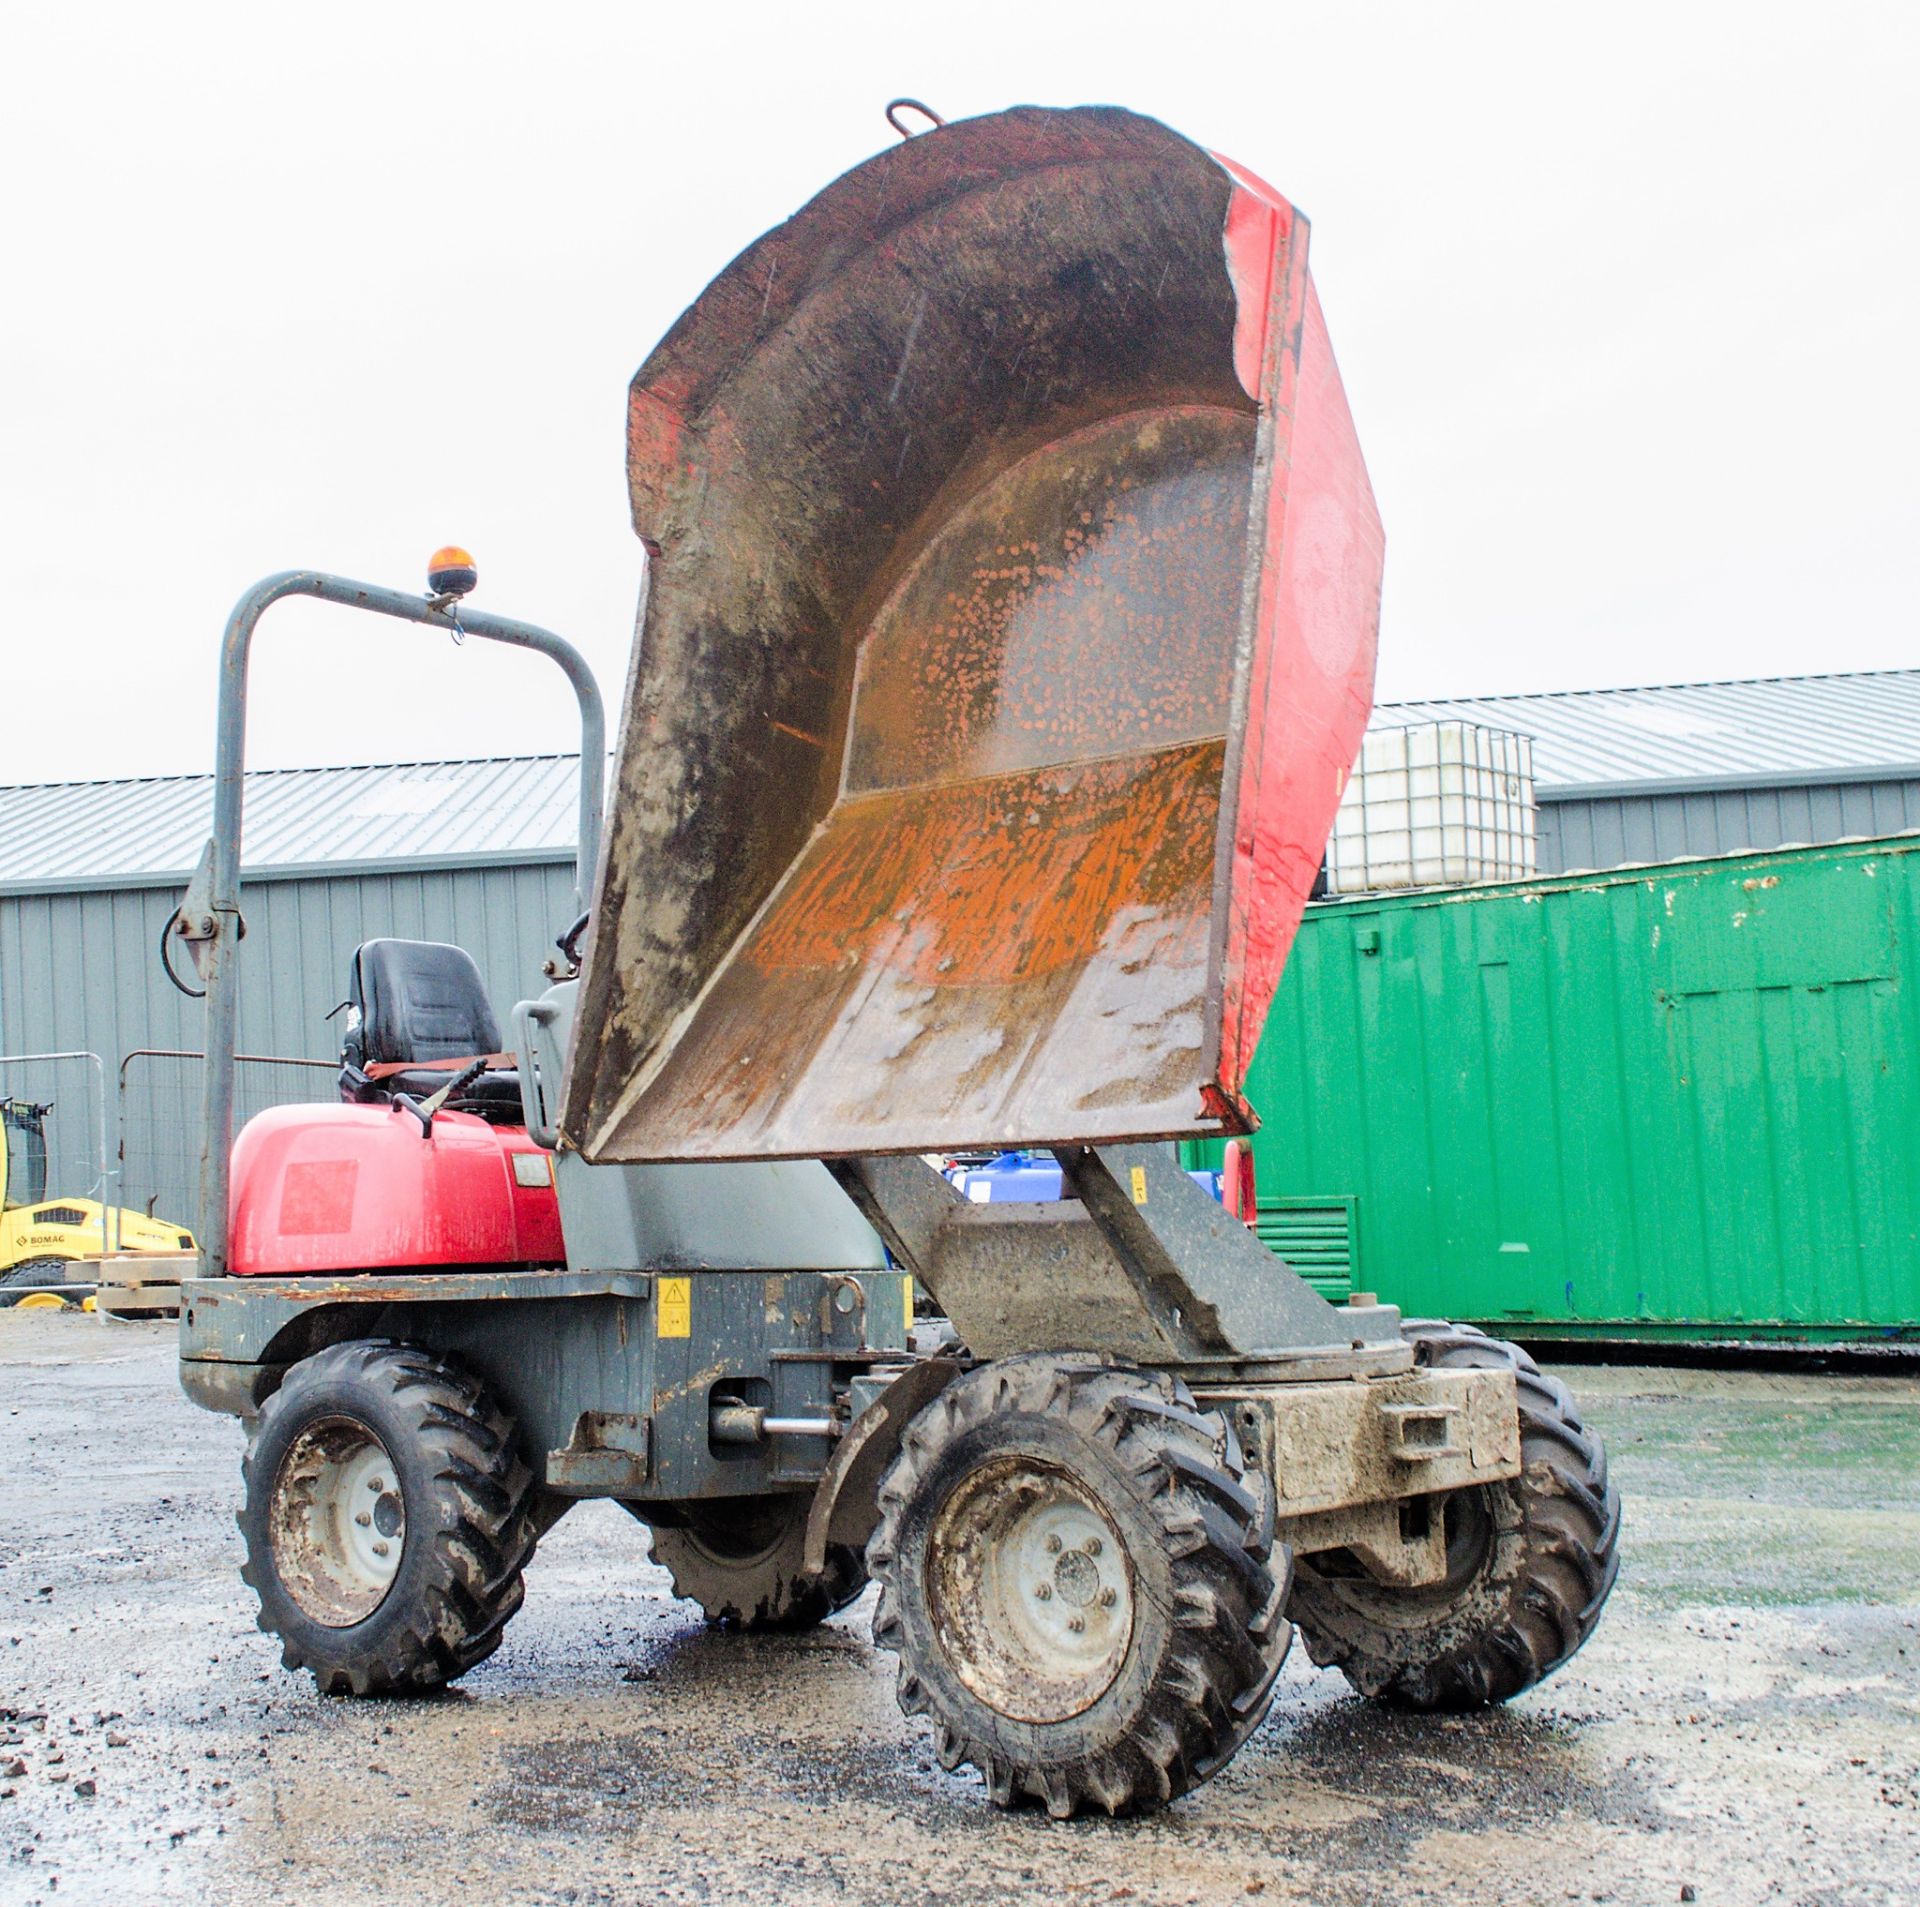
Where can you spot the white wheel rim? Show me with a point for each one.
(337, 1522)
(1031, 1591)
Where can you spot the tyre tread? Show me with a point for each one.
(476, 1556)
(1215, 1524)
(1570, 1523)
(767, 1596)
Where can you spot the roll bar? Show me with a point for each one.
(209, 919)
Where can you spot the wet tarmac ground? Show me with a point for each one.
(1745, 1725)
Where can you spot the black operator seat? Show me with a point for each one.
(412, 1001)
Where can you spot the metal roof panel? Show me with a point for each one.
(1733, 732)
(103, 830)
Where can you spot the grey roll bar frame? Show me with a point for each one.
(209, 918)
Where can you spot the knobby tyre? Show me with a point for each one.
(34, 1274)
(1530, 1561)
(740, 1560)
(1079, 1576)
(388, 1519)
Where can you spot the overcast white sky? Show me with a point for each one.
(1626, 297)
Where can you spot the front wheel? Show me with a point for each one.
(1079, 1578)
(1530, 1561)
(387, 1517)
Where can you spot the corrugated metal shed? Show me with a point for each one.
(480, 852)
(1850, 744)
(66, 835)
(475, 852)
(1616, 829)
(1825, 728)
(79, 971)
(1633, 775)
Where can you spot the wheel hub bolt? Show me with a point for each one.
(379, 1549)
(1108, 1598)
(1076, 1623)
(364, 1520)
(377, 1484)
(1044, 1591)
(1092, 1546)
(1053, 1546)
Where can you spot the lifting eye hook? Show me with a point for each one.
(897, 106)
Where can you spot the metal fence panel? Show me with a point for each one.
(72, 1086)
(159, 1119)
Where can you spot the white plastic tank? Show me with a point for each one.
(1439, 804)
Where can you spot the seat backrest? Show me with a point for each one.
(409, 1001)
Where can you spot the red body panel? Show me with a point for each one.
(359, 1188)
(1316, 632)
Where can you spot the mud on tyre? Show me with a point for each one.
(740, 1560)
(387, 1517)
(1530, 1561)
(1080, 1580)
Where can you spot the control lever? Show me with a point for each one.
(424, 1109)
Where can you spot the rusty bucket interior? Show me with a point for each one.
(984, 726)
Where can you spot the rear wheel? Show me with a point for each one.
(1079, 1579)
(388, 1518)
(740, 1560)
(1530, 1561)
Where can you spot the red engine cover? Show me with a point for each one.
(360, 1188)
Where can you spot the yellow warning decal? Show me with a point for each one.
(676, 1308)
(1139, 1185)
(906, 1300)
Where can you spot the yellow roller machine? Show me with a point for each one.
(40, 1238)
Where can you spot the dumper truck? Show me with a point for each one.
(1007, 635)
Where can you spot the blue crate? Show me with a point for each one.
(1032, 1176)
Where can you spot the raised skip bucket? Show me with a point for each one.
(1009, 637)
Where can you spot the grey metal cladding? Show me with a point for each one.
(1619, 830)
(1833, 732)
(478, 851)
(79, 969)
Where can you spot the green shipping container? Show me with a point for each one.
(1676, 1101)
